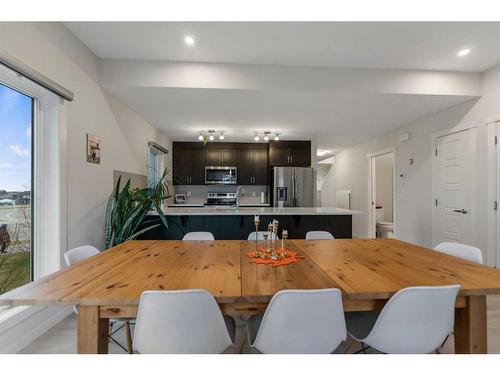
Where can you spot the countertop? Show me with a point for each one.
(210, 211)
(200, 205)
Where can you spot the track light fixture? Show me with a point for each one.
(267, 135)
(209, 135)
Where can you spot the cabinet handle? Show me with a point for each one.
(291, 159)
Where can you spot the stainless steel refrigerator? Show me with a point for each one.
(294, 187)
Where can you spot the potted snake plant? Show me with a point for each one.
(127, 208)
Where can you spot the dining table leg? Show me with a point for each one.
(93, 331)
(470, 327)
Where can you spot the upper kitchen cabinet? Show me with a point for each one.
(216, 156)
(253, 164)
(188, 164)
(290, 154)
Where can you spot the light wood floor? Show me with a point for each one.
(61, 339)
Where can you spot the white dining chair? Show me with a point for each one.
(319, 235)
(198, 236)
(416, 320)
(79, 253)
(299, 321)
(459, 250)
(181, 321)
(260, 235)
(83, 252)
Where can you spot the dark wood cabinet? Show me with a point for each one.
(212, 156)
(221, 157)
(245, 166)
(197, 166)
(290, 154)
(253, 168)
(260, 167)
(188, 166)
(252, 159)
(180, 161)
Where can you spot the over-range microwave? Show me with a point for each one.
(217, 175)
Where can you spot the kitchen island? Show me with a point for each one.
(237, 223)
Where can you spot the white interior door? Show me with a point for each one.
(453, 188)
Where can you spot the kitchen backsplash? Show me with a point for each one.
(198, 193)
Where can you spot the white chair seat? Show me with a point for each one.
(84, 252)
(198, 236)
(181, 321)
(319, 235)
(299, 322)
(459, 250)
(416, 320)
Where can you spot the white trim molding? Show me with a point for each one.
(372, 219)
(19, 325)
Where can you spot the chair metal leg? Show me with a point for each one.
(129, 338)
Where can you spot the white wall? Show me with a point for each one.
(383, 184)
(52, 50)
(55, 52)
(413, 210)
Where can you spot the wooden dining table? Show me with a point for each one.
(367, 271)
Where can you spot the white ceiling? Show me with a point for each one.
(334, 119)
(397, 45)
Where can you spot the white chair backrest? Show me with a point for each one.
(459, 250)
(415, 320)
(302, 321)
(79, 253)
(180, 321)
(260, 235)
(198, 236)
(319, 235)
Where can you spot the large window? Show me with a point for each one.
(156, 162)
(16, 129)
(32, 180)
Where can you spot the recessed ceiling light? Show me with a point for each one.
(189, 40)
(463, 52)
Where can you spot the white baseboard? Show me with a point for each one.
(27, 324)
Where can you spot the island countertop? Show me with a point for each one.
(247, 211)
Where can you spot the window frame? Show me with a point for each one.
(48, 173)
(156, 164)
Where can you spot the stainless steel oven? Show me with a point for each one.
(220, 175)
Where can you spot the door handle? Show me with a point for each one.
(461, 211)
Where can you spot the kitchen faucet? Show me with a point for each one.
(238, 194)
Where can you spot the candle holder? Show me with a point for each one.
(284, 237)
(270, 235)
(265, 234)
(256, 221)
